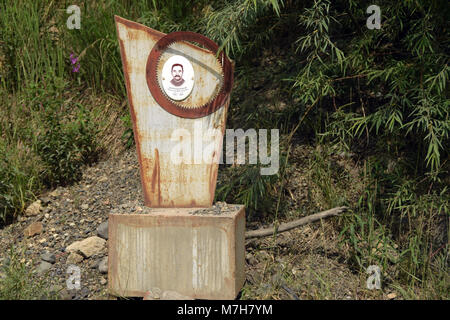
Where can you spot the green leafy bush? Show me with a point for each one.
(66, 144)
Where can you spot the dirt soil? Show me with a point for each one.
(305, 263)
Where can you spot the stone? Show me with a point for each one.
(84, 206)
(391, 296)
(103, 281)
(74, 258)
(48, 257)
(65, 294)
(55, 289)
(55, 193)
(43, 267)
(102, 230)
(88, 247)
(103, 265)
(33, 229)
(45, 201)
(251, 259)
(33, 209)
(84, 292)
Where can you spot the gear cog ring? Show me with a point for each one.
(172, 106)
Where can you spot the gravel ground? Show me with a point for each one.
(295, 266)
(72, 214)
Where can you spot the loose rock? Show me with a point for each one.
(43, 267)
(48, 257)
(33, 209)
(88, 247)
(102, 230)
(33, 229)
(103, 265)
(74, 258)
(66, 294)
(84, 293)
(55, 193)
(45, 201)
(391, 296)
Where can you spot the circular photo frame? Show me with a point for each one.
(177, 78)
(168, 103)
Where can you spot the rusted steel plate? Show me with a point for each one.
(165, 183)
(200, 256)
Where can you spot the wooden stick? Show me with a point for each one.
(296, 223)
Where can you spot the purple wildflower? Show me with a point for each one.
(72, 59)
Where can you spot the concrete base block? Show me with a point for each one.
(197, 255)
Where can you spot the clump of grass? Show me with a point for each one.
(245, 185)
(29, 44)
(19, 179)
(19, 282)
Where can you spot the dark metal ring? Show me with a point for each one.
(160, 97)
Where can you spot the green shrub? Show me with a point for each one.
(66, 143)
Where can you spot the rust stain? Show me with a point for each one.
(156, 179)
(212, 179)
(145, 165)
(134, 25)
(131, 104)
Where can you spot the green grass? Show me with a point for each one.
(33, 52)
(19, 281)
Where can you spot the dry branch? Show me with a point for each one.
(296, 223)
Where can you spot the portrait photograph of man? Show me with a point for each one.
(177, 75)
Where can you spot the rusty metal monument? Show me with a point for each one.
(178, 90)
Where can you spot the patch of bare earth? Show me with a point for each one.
(304, 263)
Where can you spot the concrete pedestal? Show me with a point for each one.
(184, 250)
